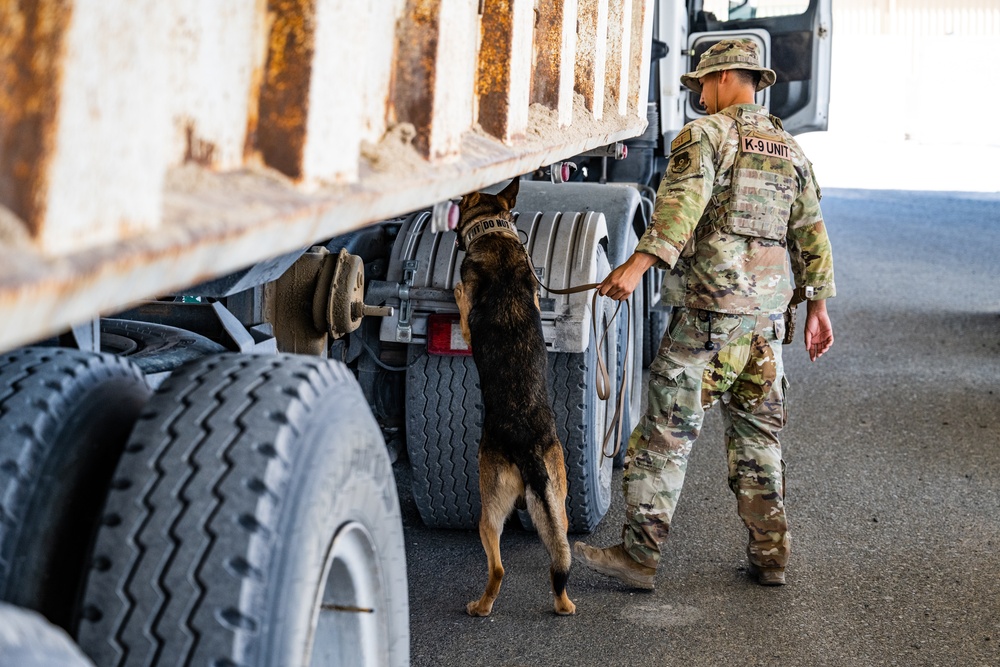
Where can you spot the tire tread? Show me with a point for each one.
(39, 385)
(188, 525)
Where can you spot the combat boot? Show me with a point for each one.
(767, 576)
(615, 562)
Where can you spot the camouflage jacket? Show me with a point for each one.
(723, 271)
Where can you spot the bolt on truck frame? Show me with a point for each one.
(226, 310)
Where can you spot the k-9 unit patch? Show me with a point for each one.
(766, 147)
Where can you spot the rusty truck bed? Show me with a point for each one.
(151, 146)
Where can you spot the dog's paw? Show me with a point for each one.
(565, 607)
(478, 608)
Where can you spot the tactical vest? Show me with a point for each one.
(763, 187)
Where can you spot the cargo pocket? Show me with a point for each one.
(678, 318)
(719, 328)
(647, 482)
(665, 381)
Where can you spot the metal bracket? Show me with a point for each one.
(404, 330)
(85, 336)
(617, 150)
(339, 304)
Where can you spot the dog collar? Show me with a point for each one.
(490, 226)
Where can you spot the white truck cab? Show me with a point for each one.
(795, 41)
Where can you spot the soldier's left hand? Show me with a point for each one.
(819, 329)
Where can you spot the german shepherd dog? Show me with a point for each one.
(520, 456)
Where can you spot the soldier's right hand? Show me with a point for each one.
(623, 280)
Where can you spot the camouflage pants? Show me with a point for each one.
(744, 371)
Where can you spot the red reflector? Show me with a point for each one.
(444, 336)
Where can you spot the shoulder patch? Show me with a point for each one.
(684, 162)
(682, 139)
(685, 154)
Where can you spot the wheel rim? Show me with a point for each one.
(352, 619)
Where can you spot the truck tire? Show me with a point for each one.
(444, 424)
(444, 421)
(154, 348)
(581, 421)
(28, 640)
(253, 520)
(65, 416)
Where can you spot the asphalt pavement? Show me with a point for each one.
(893, 490)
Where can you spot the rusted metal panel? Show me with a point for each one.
(555, 56)
(619, 45)
(104, 172)
(212, 61)
(69, 129)
(435, 73)
(505, 68)
(641, 50)
(280, 135)
(314, 89)
(32, 46)
(592, 54)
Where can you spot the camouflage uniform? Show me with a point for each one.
(726, 251)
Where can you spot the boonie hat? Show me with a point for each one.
(729, 54)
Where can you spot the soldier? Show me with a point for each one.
(738, 199)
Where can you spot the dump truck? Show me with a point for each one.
(226, 275)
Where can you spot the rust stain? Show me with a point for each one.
(32, 51)
(546, 79)
(197, 150)
(264, 22)
(493, 83)
(283, 106)
(412, 97)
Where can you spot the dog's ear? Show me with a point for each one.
(508, 195)
(469, 200)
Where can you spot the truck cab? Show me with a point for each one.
(794, 39)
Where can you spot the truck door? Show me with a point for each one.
(794, 37)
